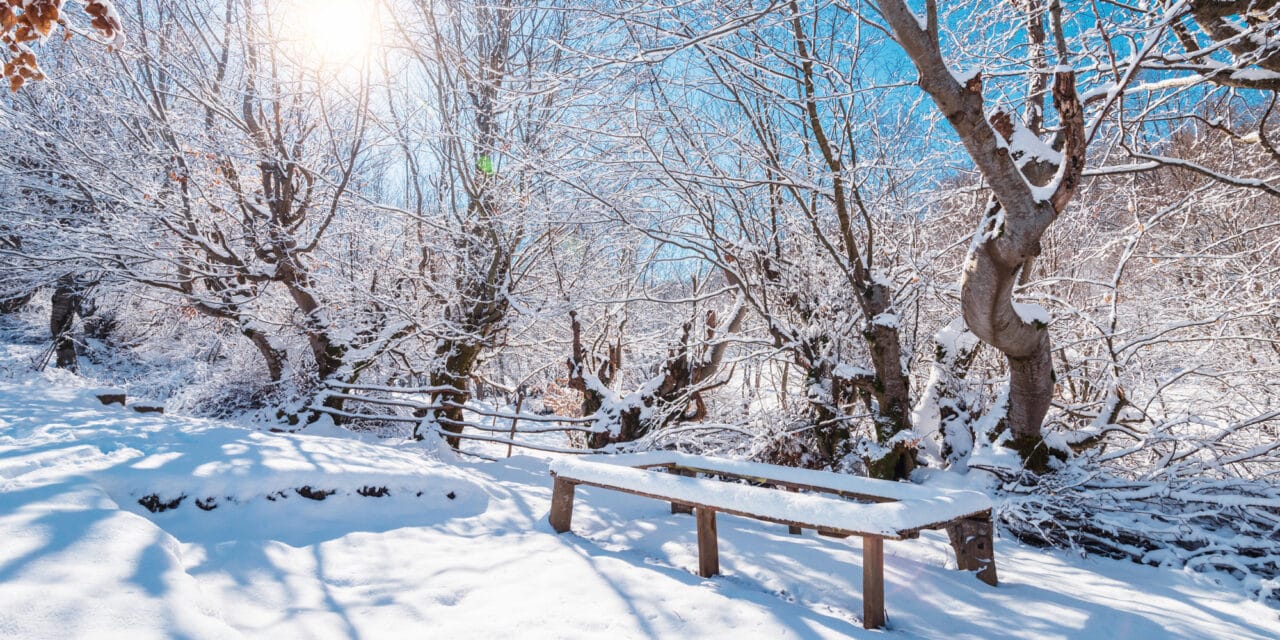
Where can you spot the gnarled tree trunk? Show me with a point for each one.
(1017, 216)
(683, 379)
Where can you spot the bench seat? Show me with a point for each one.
(882, 511)
(896, 520)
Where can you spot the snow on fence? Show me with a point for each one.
(503, 426)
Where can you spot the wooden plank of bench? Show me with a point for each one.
(827, 531)
(806, 479)
(708, 543)
(893, 520)
(855, 487)
(872, 582)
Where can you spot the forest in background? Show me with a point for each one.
(1033, 239)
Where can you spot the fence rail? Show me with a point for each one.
(370, 395)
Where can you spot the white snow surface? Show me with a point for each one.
(80, 558)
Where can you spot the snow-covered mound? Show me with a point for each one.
(118, 524)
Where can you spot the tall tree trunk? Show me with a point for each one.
(325, 351)
(62, 316)
(459, 359)
(987, 303)
(891, 387)
(1018, 213)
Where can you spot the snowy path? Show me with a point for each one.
(80, 558)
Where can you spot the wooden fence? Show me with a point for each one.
(378, 403)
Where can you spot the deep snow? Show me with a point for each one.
(472, 556)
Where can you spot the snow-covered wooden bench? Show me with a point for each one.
(833, 504)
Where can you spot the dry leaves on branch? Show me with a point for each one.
(26, 21)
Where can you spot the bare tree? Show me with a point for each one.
(769, 141)
(1027, 197)
(476, 173)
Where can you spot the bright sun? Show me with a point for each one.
(335, 32)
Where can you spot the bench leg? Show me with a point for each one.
(561, 505)
(676, 507)
(972, 541)
(708, 544)
(795, 531)
(872, 582)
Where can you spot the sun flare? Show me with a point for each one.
(335, 32)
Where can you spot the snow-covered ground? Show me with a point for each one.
(463, 550)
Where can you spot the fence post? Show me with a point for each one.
(514, 419)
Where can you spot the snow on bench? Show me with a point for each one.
(889, 510)
(837, 483)
(895, 520)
